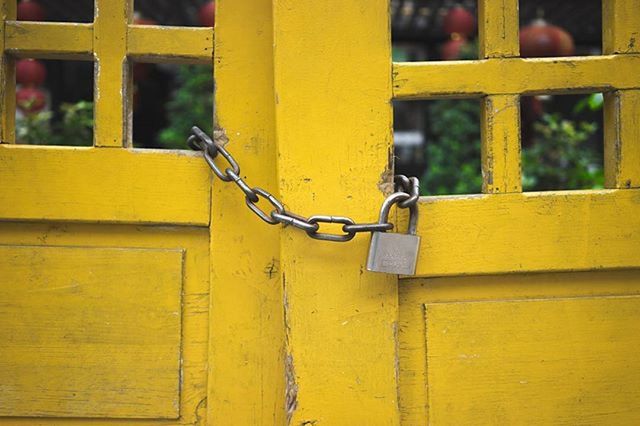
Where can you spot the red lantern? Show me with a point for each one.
(452, 49)
(30, 10)
(207, 14)
(539, 39)
(30, 100)
(30, 72)
(459, 20)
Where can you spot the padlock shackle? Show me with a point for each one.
(392, 199)
(395, 198)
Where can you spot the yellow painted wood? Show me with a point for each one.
(415, 293)
(561, 361)
(48, 40)
(334, 138)
(622, 139)
(500, 151)
(150, 43)
(620, 26)
(246, 356)
(7, 77)
(515, 75)
(543, 231)
(88, 184)
(498, 28)
(90, 332)
(194, 244)
(112, 90)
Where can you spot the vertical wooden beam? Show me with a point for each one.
(246, 352)
(621, 35)
(498, 28)
(334, 122)
(620, 26)
(112, 73)
(622, 139)
(500, 119)
(7, 77)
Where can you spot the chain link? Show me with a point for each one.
(406, 196)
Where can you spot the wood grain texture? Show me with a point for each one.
(90, 332)
(621, 142)
(620, 26)
(558, 361)
(421, 80)
(194, 244)
(48, 40)
(498, 28)
(154, 43)
(7, 77)
(113, 80)
(333, 118)
(415, 293)
(246, 354)
(500, 148)
(529, 232)
(89, 184)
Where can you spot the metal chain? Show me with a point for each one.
(406, 196)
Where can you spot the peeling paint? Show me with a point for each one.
(291, 391)
(386, 184)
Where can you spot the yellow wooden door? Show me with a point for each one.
(104, 251)
(134, 291)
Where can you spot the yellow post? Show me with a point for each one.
(501, 144)
(498, 28)
(7, 77)
(246, 343)
(333, 115)
(621, 35)
(498, 38)
(112, 76)
(622, 139)
(620, 26)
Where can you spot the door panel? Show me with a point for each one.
(90, 332)
(558, 361)
(103, 321)
(555, 347)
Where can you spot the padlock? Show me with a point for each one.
(394, 253)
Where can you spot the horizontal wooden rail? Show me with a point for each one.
(103, 185)
(170, 44)
(49, 40)
(149, 43)
(501, 76)
(529, 232)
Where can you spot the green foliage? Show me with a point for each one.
(75, 127)
(560, 157)
(191, 105)
(593, 102)
(453, 148)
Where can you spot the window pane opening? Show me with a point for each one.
(433, 30)
(562, 145)
(552, 28)
(54, 102)
(439, 142)
(185, 13)
(80, 11)
(167, 101)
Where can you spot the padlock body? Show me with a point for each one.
(393, 253)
